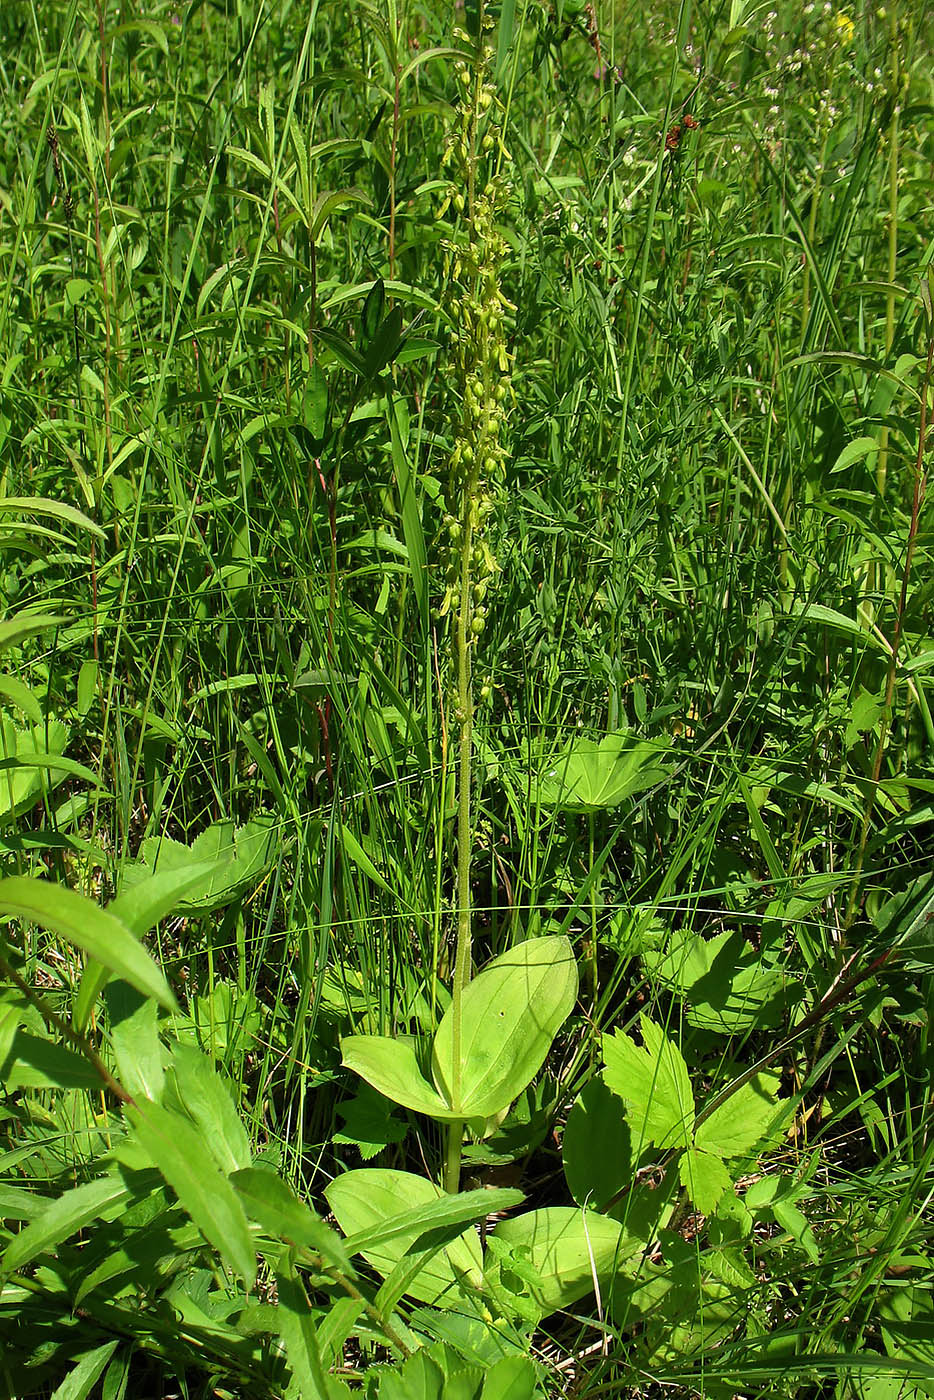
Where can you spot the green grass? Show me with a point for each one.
(710, 536)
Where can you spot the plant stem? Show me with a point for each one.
(463, 643)
(885, 723)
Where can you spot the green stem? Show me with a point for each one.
(462, 958)
(882, 462)
(885, 723)
(463, 646)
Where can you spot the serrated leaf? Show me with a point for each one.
(704, 1178)
(231, 857)
(737, 1127)
(88, 927)
(32, 764)
(590, 775)
(510, 1014)
(511, 1378)
(419, 1378)
(726, 985)
(176, 1148)
(369, 1123)
(653, 1082)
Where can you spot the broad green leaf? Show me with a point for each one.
(62, 1217)
(273, 1204)
(653, 1082)
(86, 1372)
(511, 1378)
(134, 1036)
(597, 1146)
(726, 985)
(315, 407)
(382, 349)
(854, 452)
(391, 1067)
(176, 1148)
(372, 313)
(418, 1378)
(591, 776)
(206, 1098)
(907, 1320)
(90, 928)
(704, 1178)
(737, 1127)
(511, 1013)
(906, 921)
(798, 1226)
(371, 1198)
(23, 697)
(566, 1249)
(87, 685)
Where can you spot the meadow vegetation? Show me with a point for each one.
(467, 797)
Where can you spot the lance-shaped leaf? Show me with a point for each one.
(754, 1112)
(58, 1219)
(140, 907)
(273, 1204)
(511, 1013)
(176, 1148)
(88, 927)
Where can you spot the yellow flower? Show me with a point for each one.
(846, 29)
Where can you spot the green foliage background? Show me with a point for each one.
(704, 750)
